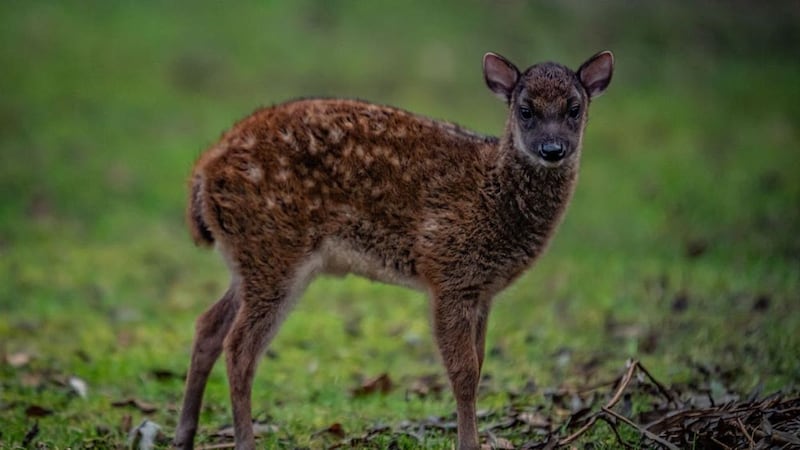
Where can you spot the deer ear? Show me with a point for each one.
(500, 74)
(595, 73)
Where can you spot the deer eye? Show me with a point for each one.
(525, 112)
(574, 111)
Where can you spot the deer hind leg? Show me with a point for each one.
(455, 324)
(210, 331)
(267, 297)
(480, 331)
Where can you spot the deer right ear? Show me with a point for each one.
(500, 74)
(595, 74)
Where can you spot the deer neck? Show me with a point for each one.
(526, 198)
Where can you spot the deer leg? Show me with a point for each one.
(480, 332)
(455, 321)
(210, 330)
(265, 301)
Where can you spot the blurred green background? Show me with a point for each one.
(681, 247)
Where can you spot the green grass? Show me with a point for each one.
(104, 107)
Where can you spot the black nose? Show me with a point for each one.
(552, 151)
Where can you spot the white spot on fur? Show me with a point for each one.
(378, 127)
(216, 151)
(244, 141)
(313, 146)
(429, 225)
(454, 130)
(335, 134)
(287, 136)
(254, 173)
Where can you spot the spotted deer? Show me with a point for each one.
(331, 186)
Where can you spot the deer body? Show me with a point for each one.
(342, 186)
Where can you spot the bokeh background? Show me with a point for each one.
(681, 247)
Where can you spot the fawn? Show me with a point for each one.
(342, 186)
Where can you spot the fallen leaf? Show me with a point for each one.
(623, 330)
(534, 419)
(126, 423)
(222, 445)
(78, 386)
(695, 248)
(83, 356)
(336, 429)
(530, 387)
(498, 443)
(37, 411)
(259, 429)
(352, 326)
(761, 303)
(143, 437)
(680, 302)
(562, 356)
(124, 338)
(40, 207)
(166, 375)
(382, 383)
(18, 359)
(427, 384)
(649, 342)
(497, 351)
(144, 407)
(32, 379)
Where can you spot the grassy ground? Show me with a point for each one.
(681, 247)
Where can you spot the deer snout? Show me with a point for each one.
(552, 151)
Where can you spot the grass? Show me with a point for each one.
(104, 108)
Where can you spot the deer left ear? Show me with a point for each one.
(595, 73)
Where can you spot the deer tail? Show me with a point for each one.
(198, 226)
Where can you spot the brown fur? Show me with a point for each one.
(337, 186)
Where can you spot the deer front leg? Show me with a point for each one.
(455, 324)
(210, 331)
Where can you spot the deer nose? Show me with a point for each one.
(552, 151)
